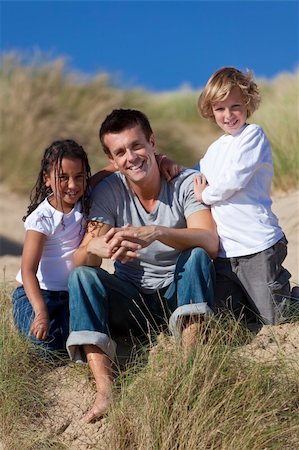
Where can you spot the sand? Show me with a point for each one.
(69, 395)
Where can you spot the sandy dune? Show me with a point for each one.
(68, 397)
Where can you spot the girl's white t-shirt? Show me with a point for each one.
(64, 233)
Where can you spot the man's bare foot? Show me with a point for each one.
(190, 336)
(195, 331)
(99, 408)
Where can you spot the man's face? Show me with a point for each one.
(131, 153)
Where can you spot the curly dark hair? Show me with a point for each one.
(53, 157)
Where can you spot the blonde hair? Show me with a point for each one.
(220, 85)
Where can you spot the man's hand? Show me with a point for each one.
(200, 183)
(98, 246)
(125, 242)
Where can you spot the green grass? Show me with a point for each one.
(212, 400)
(23, 373)
(217, 397)
(42, 101)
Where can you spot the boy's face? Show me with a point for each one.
(230, 114)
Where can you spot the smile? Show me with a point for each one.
(71, 194)
(136, 168)
(231, 123)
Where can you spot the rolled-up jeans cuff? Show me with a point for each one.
(187, 310)
(77, 339)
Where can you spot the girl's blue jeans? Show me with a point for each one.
(102, 305)
(58, 308)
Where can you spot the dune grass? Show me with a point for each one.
(214, 399)
(22, 384)
(42, 100)
(217, 397)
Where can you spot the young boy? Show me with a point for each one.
(235, 180)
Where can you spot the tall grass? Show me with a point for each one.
(42, 101)
(278, 114)
(217, 397)
(22, 384)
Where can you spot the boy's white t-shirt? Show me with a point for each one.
(64, 233)
(239, 171)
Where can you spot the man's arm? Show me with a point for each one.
(94, 247)
(200, 232)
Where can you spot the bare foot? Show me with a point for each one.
(194, 332)
(99, 408)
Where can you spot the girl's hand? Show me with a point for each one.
(200, 183)
(40, 326)
(168, 168)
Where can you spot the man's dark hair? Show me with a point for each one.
(122, 119)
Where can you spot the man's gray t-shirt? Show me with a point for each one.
(115, 203)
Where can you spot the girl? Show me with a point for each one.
(55, 224)
(237, 174)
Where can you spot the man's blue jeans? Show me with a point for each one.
(102, 305)
(58, 308)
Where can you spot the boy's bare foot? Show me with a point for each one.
(99, 408)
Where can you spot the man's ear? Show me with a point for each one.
(152, 141)
(111, 160)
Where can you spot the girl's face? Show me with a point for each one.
(68, 183)
(231, 113)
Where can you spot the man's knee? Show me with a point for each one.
(195, 254)
(81, 275)
(200, 255)
(198, 258)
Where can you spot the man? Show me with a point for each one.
(162, 241)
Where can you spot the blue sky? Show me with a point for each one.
(158, 45)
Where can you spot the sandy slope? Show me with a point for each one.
(69, 395)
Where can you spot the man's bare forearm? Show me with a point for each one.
(93, 246)
(184, 238)
(178, 238)
(83, 257)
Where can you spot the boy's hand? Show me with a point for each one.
(40, 326)
(168, 168)
(200, 183)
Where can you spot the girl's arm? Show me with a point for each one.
(168, 168)
(32, 251)
(99, 176)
